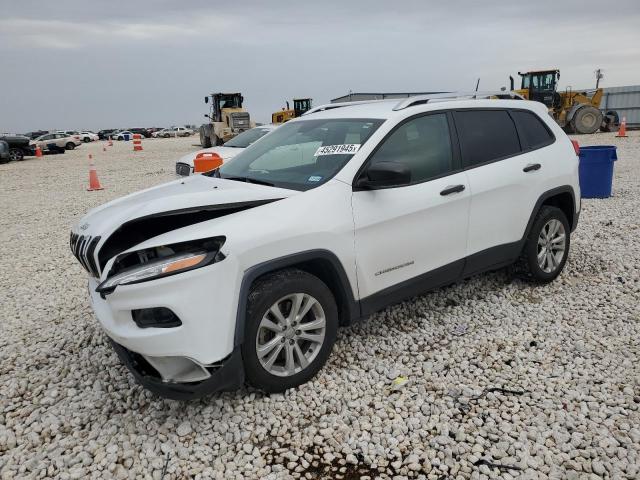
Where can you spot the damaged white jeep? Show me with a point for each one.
(246, 272)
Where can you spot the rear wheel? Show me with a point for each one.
(587, 119)
(292, 322)
(547, 246)
(15, 154)
(205, 140)
(86, 139)
(70, 146)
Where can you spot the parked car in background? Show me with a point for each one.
(4, 152)
(142, 131)
(123, 135)
(87, 137)
(105, 134)
(71, 133)
(55, 142)
(35, 134)
(19, 146)
(160, 133)
(174, 132)
(233, 147)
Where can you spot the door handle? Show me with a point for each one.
(531, 167)
(453, 189)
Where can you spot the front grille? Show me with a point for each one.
(183, 169)
(83, 248)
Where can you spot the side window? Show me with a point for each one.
(532, 130)
(486, 135)
(422, 144)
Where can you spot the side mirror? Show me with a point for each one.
(206, 115)
(206, 99)
(384, 175)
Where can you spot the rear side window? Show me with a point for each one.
(486, 135)
(533, 131)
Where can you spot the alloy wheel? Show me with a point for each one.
(552, 243)
(291, 334)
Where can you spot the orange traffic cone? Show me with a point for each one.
(94, 183)
(622, 131)
(110, 142)
(38, 152)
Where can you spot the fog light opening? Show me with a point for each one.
(158, 317)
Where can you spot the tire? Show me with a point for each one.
(551, 265)
(217, 141)
(586, 120)
(86, 139)
(16, 155)
(205, 140)
(281, 289)
(70, 146)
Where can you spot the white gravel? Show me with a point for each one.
(505, 380)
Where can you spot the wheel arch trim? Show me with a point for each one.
(546, 196)
(296, 259)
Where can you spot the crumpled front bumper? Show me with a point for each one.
(228, 375)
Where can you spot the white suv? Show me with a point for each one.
(246, 272)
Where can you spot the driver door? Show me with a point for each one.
(411, 238)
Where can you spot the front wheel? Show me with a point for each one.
(292, 322)
(547, 246)
(205, 140)
(70, 146)
(15, 154)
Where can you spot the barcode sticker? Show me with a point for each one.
(347, 148)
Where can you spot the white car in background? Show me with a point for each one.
(233, 147)
(58, 141)
(123, 135)
(71, 133)
(87, 137)
(173, 132)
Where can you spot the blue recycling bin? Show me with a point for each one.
(596, 170)
(126, 137)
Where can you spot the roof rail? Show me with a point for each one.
(440, 97)
(331, 106)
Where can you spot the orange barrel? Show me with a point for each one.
(206, 161)
(137, 142)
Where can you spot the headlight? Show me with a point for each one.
(158, 262)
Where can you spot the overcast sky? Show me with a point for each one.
(109, 64)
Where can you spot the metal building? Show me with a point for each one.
(625, 101)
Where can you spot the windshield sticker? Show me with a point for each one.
(348, 149)
(314, 178)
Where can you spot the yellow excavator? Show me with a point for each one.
(575, 111)
(300, 105)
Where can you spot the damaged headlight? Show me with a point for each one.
(162, 261)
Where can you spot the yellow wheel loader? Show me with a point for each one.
(300, 105)
(227, 119)
(574, 111)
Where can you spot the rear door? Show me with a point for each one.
(506, 177)
(411, 238)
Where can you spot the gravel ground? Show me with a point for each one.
(504, 379)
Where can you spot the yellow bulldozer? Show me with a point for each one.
(575, 111)
(227, 118)
(300, 105)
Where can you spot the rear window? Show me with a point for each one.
(486, 135)
(533, 132)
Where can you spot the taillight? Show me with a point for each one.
(576, 147)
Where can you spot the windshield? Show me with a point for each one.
(247, 138)
(292, 157)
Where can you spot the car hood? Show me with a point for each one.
(227, 153)
(130, 220)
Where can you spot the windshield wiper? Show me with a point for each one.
(249, 180)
